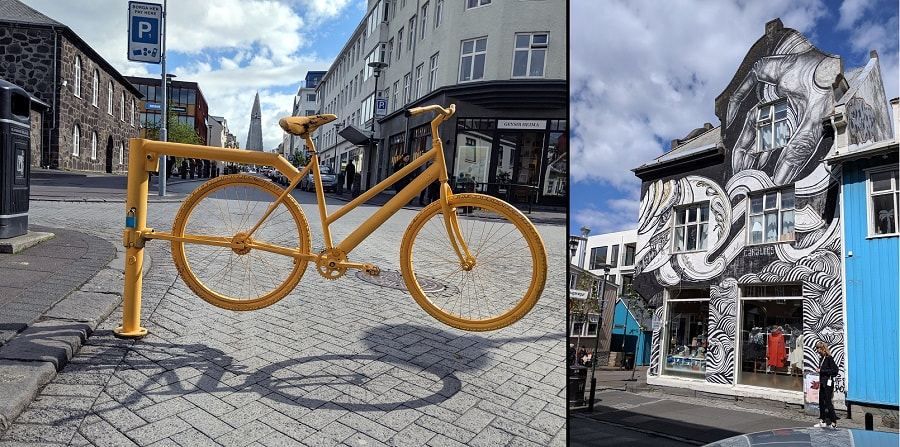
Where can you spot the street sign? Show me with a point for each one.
(144, 32)
(578, 294)
(381, 106)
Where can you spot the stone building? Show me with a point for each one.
(739, 244)
(92, 110)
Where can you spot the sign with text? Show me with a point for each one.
(145, 32)
(578, 294)
(522, 124)
(381, 105)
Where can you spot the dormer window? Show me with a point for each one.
(772, 125)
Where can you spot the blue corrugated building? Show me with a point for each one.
(870, 195)
(637, 333)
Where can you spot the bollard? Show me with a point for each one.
(136, 221)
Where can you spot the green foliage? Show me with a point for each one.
(177, 132)
(299, 159)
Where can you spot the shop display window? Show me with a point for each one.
(685, 340)
(771, 344)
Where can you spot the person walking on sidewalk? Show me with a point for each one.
(349, 172)
(827, 370)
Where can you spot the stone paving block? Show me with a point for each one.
(446, 428)
(412, 435)
(245, 434)
(491, 436)
(19, 384)
(38, 434)
(158, 430)
(89, 307)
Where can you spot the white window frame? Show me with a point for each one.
(76, 89)
(76, 140)
(472, 4)
(438, 13)
(109, 99)
(121, 153)
(772, 116)
(420, 74)
(684, 219)
(776, 211)
(406, 87)
(424, 25)
(473, 57)
(93, 145)
(530, 51)
(894, 191)
(412, 33)
(131, 117)
(122, 107)
(432, 72)
(396, 94)
(399, 43)
(95, 94)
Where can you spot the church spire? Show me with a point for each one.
(254, 136)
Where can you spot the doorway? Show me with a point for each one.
(109, 154)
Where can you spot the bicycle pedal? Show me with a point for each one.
(371, 270)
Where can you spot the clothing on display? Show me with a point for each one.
(775, 351)
(796, 356)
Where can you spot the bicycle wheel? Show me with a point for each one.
(241, 277)
(508, 275)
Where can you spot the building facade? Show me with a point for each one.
(739, 233)
(304, 105)
(870, 199)
(186, 101)
(92, 111)
(503, 64)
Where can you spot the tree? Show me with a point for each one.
(176, 132)
(299, 159)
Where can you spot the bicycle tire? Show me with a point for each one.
(224, 208)
(507, 279)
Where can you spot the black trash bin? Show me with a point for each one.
(628, 363)
(575, 385)
(15, 159)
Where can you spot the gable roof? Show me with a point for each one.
(15, 11)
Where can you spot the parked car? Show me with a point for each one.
(802, 437)
(329, 180)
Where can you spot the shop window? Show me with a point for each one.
(598, 258)
(556, 175)
(529, 55)
(471, 59)
(771, 217)
(691, 227)
(884, 196)
(771, 340)
(421, 141)
(772, 125)
(686, 331)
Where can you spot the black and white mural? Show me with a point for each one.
(786, 80)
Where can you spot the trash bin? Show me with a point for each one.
(628, 363)
(15, 159)
(575, 385)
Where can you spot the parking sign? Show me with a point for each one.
(381, 106)
(144, 32)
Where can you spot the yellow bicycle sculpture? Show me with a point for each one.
(242, 243)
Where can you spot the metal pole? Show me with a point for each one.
(597, 344)
(163, 131)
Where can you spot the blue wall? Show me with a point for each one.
(633, 335)
(872, 295)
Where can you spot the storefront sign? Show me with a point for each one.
(578, 294)
(179, 109)
(153, 106)
(522, 124)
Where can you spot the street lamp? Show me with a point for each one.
(605, 268)
(377, 66)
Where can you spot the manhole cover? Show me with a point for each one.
(394, 280)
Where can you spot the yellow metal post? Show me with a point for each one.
(136, 215)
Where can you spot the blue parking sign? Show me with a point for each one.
(145, 32)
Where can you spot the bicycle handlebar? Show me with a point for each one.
(446, 113)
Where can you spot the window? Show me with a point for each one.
(390, 50)
(614, 256)
(771, 321)
(628, 259)
(109, 98)
(311, 97)
(76, 140)
(438, 13)
(691, 227)
(884, 193)
(598, 257)
(93, 145)
(406, 88)
(96, 88)
(412, 32)
(432, 73)
(471, 59)
(131, 117)
(395, 95)
(399, 43)
(419, 74)
(122, 107)
(424, 15)
(685, 336)
(476, 3)
(121, 153)
(77, 87)
(772, 125)
(771, 217)
(529, 55)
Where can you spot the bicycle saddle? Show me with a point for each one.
(304, 125)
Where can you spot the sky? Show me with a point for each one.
(643, 73)
(231, 48)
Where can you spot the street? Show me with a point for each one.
(343, 362)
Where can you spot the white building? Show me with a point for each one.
(503, 63)
(304, 105)
(615, 249)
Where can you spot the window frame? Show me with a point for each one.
(675, 225)
(76, 141)
(93, 145)
(110, 91)
(530, 52)
(473, 4)
(770, 121)
(95, 93)
(894, 191)
(432, 72)
(76, 89)
(779, 212)
(592, 261)
(473, 55)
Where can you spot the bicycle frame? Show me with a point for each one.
(144, 158)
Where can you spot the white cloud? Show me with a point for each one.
(851, 11)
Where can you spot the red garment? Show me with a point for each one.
(775, 352)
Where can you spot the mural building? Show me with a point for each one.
(739, 239)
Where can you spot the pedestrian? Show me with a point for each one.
(582, 353)
(570, 355)
(424, 196)
(349, 172)
(827, 370)
(400, 164)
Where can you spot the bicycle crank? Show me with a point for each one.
(332, 264)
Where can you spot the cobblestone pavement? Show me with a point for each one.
(341, 362)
